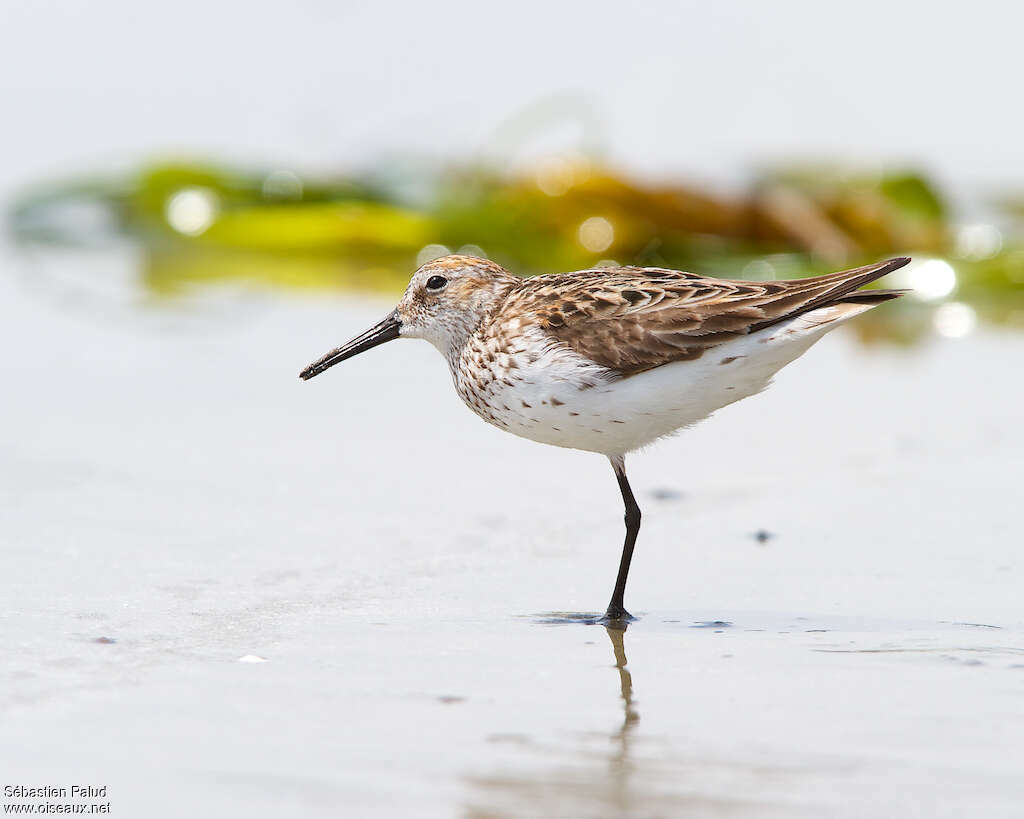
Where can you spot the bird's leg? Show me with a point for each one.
(616, 609)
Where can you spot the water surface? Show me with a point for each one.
(227, 592)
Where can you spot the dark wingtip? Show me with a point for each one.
(868, 274)
(896, 263)
(872, 296)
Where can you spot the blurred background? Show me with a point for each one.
(335, 147)
(233, 587)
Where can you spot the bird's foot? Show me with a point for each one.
(616, 616)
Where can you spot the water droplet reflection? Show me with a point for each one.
(554, 176)
(954, 320)
(978, 241)
(192, 210)
(429, 253)
(929, 279)
(596, 234)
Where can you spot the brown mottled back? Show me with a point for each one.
(631, 319)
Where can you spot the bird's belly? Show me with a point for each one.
(613, 416)
(546, 404)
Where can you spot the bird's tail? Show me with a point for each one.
(836, 289)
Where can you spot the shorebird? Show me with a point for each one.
(610, 360)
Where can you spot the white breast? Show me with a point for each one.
(550, 394)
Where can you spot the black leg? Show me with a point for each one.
(616, 608)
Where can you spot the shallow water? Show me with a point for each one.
(227, 592)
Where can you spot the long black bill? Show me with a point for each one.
(387, 330)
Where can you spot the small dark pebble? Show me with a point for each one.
(762, 535)
(717, 624)
(106, 641)
(664, 493)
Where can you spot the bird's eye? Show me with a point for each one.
(436, 282)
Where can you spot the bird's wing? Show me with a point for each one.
(631, 319)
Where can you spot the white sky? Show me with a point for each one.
(697, 89)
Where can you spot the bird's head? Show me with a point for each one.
(444, 303)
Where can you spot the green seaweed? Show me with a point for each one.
(282, 230)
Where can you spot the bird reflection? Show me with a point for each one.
(621, 763)
(588, 782)
(630, 716)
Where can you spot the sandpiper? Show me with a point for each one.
(609, 360)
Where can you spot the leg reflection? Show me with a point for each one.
(588, 772)
(621, 738)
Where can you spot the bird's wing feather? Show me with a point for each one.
(631, 319)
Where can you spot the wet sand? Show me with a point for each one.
(227, 592)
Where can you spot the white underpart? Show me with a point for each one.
(574, 403)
